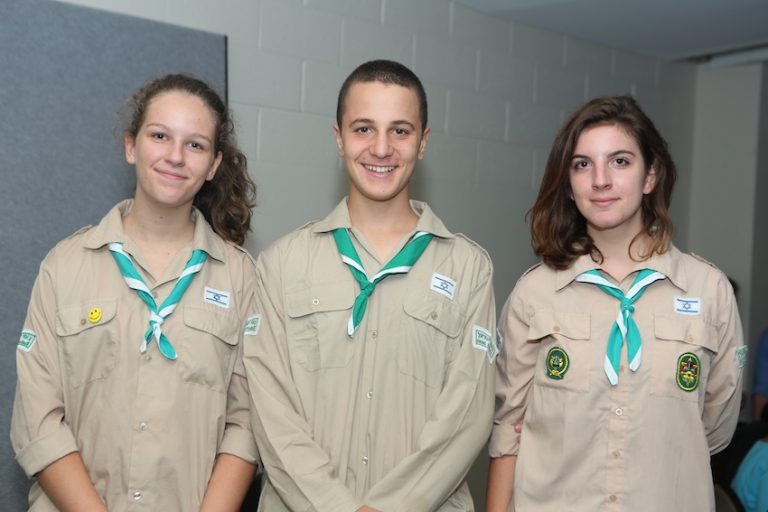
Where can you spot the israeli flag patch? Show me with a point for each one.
(443, 285)
(216, 297)
(688, 306)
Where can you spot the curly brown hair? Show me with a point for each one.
(227, 199)
(558, 231)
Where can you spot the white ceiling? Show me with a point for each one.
(669, 29)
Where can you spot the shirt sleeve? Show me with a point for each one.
(761, 366)
(297, 467)
(515, 368)
(39, 433)
(723, 395)
(238, 438)
(460, 421)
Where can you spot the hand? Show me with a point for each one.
(366, 509)
(519, 427)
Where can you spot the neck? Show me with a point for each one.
(158, 225)
(384, 223)
(620, 255)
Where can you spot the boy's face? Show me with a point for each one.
(380, 140)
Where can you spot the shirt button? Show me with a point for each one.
(374, 334)
(369, 394)
(82, 321)
(616, 454)
(154, 294)
(689, 338)
(619, 412)
(556, 328)
(136, 495)
(433, 315)
(365, 459)
(315, 301)
(612, 498)
(142, 426)
(147, 357)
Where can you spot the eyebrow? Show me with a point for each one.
(614, 153)
(397, 122)
(164, 127)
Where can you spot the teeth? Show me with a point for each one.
(380, 169)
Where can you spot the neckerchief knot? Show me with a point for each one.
(624, 328)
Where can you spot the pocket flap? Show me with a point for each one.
(74, 319)
(223, 324)
(437, 311)
(691, 330)
(548, 322)
(320, 297)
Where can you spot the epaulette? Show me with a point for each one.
(530, 269)
(79, 231)
(696, 256)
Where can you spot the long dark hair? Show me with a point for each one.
(227, 199)
(558, 231)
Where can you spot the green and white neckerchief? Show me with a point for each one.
(157, 315)
(401, 263)
(625, 328)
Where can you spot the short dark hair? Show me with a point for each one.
(386, 72)
(558, 231)
(227, 199)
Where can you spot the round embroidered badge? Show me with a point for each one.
(557, 363)
(688, 371)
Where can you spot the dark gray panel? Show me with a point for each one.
(64, 71)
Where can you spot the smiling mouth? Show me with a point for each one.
(380, 169)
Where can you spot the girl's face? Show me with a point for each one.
(609, 179)
(173, 152)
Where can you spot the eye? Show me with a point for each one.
(401, 132)
(197, 145)
(621, 161)
(159, 136)
(580, 164)
(363, 130)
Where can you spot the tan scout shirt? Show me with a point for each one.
(147, 428)
(644, 444)
(392, 417)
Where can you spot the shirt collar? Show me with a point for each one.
(669, 263)
(110, 229)
(428, 221)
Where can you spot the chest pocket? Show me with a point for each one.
(565, 360)
(317, 325)
(207, 354)
(88, 334)
(683, 350)
(430, 337)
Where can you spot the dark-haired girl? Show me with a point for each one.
(620, 354)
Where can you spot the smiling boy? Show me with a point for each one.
(370, 370)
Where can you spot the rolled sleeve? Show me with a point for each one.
(514, 375)
(39, 434)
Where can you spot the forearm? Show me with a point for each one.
(67, 484)
(230, 480)
(501, 481)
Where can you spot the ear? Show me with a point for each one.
(424, 140)
(129, 145)
(339, 141)
(650, 181)
(214, 166)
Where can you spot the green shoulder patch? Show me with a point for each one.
(557, 363)
(688, 371)
(741, 356)
(252, 325)
(27, 340)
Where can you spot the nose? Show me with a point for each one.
(601, 177)
(175, 155)
(380, 147)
